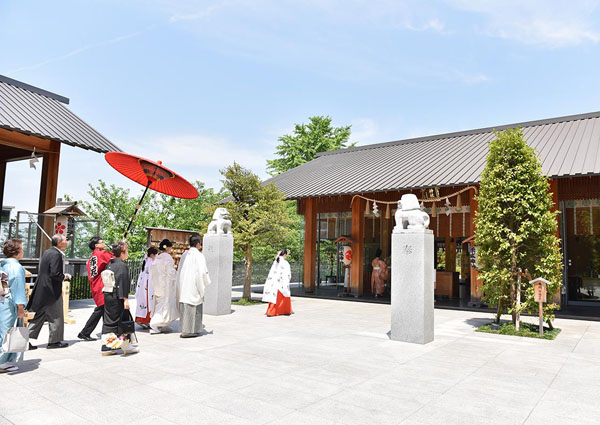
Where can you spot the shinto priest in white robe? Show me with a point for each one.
(162, 273)
(192, 279)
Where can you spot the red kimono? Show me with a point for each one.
(96, 265)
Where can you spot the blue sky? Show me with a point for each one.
(199, 84)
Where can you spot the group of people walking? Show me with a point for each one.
(163, 293)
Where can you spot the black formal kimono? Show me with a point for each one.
(114, 301)
(46, 297)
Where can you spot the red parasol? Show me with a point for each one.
(152, 175)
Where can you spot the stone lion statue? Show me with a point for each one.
(220, 223)
(409, 214)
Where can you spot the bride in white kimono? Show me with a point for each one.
(162, 273)
(277, 287)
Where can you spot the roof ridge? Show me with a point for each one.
(33, 89)
(545, 121)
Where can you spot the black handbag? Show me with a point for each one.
(126, 325)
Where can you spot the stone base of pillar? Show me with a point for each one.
(218, 251)
(412, 286)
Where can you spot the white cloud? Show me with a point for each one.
(538, 22)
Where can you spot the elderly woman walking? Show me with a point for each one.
(12, 297)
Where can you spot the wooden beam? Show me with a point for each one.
(310, 240)
(9, 153)
(25, 141)
(358, 247)
(48, 190)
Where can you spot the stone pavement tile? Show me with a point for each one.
(103, 382)
(22, 400)
(30, 376)
(47, 416)
(576, 384)
(269, 391)
(572, 409)
(64, 388)
(398, 407)
(103, 409)
(4, 421)
(539, 417)
(68, 367)
(149, 420)
(142, 374)
(188, 389)
(301, 418)
(351, 414)
(342, 374)
(498, 397)
(401, 389)
(509, 414)
(431, 416)
(311, 386)
(248, 408)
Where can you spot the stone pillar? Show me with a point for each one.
(218, 251)
(412, 274)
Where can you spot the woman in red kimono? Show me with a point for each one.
(277, 287)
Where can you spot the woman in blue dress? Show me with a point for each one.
(12, 304)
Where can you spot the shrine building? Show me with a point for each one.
(446, 168)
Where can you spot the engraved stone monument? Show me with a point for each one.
(218, 251)
(412, 274)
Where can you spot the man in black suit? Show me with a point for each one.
(46, 299)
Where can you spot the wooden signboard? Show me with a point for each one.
(540, 290)
(540, 287)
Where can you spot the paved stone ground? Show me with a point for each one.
(331, 362)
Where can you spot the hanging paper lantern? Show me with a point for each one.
(387, 212)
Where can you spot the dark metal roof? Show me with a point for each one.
(31, 110)
(566, 146)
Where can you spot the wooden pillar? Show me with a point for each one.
(385, 237)
(450, 254)
(48, 190)
(556, 298)
(358, 247)
(310, 240)
(476, 283)
(2, 179)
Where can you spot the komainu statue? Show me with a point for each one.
(409, 214)
(220, 223)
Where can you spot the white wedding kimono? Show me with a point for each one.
(192, 279)
(162, 274)
(278, 280)
(144, 294)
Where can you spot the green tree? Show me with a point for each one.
(516, 227)
(259, 215)
(306, 142)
